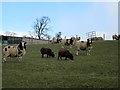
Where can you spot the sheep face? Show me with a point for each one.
(52, 54)
(70, 56)
(89, 44)
(22, 45)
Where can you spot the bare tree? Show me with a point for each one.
(41, 26)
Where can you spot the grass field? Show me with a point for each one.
(99, 70)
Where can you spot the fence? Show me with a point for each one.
(35, 41)
(16, 40)
(91, 34)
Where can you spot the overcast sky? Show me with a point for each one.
(70, 18)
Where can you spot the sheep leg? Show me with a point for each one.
(20, 59)
(58, 57)
(4, 59)
(88, 52)
(77, 52)
(65, 58)
(42, 55)
(47, 55)
(5, 56)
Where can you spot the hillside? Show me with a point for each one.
(99, 70)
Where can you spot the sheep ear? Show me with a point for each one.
(20, 45)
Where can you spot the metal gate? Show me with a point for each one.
(91, 34)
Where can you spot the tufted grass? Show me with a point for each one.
(99, 70)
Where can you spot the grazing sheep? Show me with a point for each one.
(67, 42)
(56, 41)
(119, 37)
(77, 38)
(70, 41)
(64, 53)
(14, 51)
(47, 51)
(115, 37)
(53, 41)
(82, 45)
(97, 39)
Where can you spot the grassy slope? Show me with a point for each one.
(99, 70)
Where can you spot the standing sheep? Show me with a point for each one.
(82, 45)
(14, 51)
(64, 53)
(47, 51)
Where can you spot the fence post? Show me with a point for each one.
(104, 36)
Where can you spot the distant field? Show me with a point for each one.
(99, 70)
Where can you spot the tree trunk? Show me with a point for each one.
(39, 37)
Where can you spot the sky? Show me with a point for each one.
(70, 18)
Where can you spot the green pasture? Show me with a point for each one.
(99, 70)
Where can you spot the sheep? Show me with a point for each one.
(63, 41)
(70, 41)
(47, 51)
(64, 53)
(119, 37)
(67, 42)
(82, 45)
(53, 41)
(15, 51)
(115, 37)
(77, 38)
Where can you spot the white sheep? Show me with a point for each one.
(14, 51)
(82, 45)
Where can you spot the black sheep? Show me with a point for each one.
(64, 53)
(47, 51)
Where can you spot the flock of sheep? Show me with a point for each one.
(61, 53)
(20, 49)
